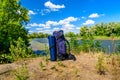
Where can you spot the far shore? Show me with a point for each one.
(100, 38)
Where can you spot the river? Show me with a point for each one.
(109, 45)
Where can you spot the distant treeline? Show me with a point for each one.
(37, 35)
(101, 29)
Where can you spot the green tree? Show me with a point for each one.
(70, 34)
(84, 30)
(13, 16)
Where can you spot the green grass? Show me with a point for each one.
(105, 38)
(99, 38)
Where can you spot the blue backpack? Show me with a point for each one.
(58, 46)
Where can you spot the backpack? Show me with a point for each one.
(61, 45)
(58, 47)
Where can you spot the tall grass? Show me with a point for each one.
(84, 45)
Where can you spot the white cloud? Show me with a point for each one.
(94, 15)
(83, 17)
(30, 12)
(45, 11)
(55, 29)
(65, 24)
(33, 24)
(68, 20)
(52, 6)
(27, 27)
(39, 29)
(78, 28)
(89, 22)
(51, 23)
(30, 31)
(36, 25)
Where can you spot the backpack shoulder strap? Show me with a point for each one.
(68, 44)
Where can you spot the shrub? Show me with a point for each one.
(74, 45)
(22, 73)
(19, 50)
(6, 58)
(101, 65)
(42, 66)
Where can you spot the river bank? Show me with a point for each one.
(84, 68)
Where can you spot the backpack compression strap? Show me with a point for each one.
(68, 45)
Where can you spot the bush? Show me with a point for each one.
(74, 45)
(19, 50)
(101, 65)
(6, 58)
(22, 73)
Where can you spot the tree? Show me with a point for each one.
(84, 30)
(12, 18)
(70, 34)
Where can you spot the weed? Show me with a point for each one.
(101, 65)
(77, 73)
(114, 60)
(54, 68)
(47, 59)
(119, 60)
(42, 66)
(22, 73)
(61, 64)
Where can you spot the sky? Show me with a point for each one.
(47, 16)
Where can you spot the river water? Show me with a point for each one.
(108, 45)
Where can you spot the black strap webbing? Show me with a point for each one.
(68, 45)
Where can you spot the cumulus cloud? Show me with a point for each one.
(65, 24)
(30, 12)
(49, 6)
(89, 22)
(39, 29)
(94, 15)
(45, 11)
(52, 6)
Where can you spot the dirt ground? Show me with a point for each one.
(40, 68)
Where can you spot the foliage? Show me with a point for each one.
(101, 29)
(5, 58)
(22, 73)
(37, 35)
(12, 18)
(19, 50)
(86, 44)
(118, 47)
(47, 58)
(74, 45)
(61, 64)
(101, 65)
(42, 66)
(70, 34)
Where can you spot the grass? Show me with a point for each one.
(84, 68)
(101, 38)
(101, 65)
(22, 73)
(42, 66)
(105, 38)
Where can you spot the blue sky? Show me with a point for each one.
(69, 15)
